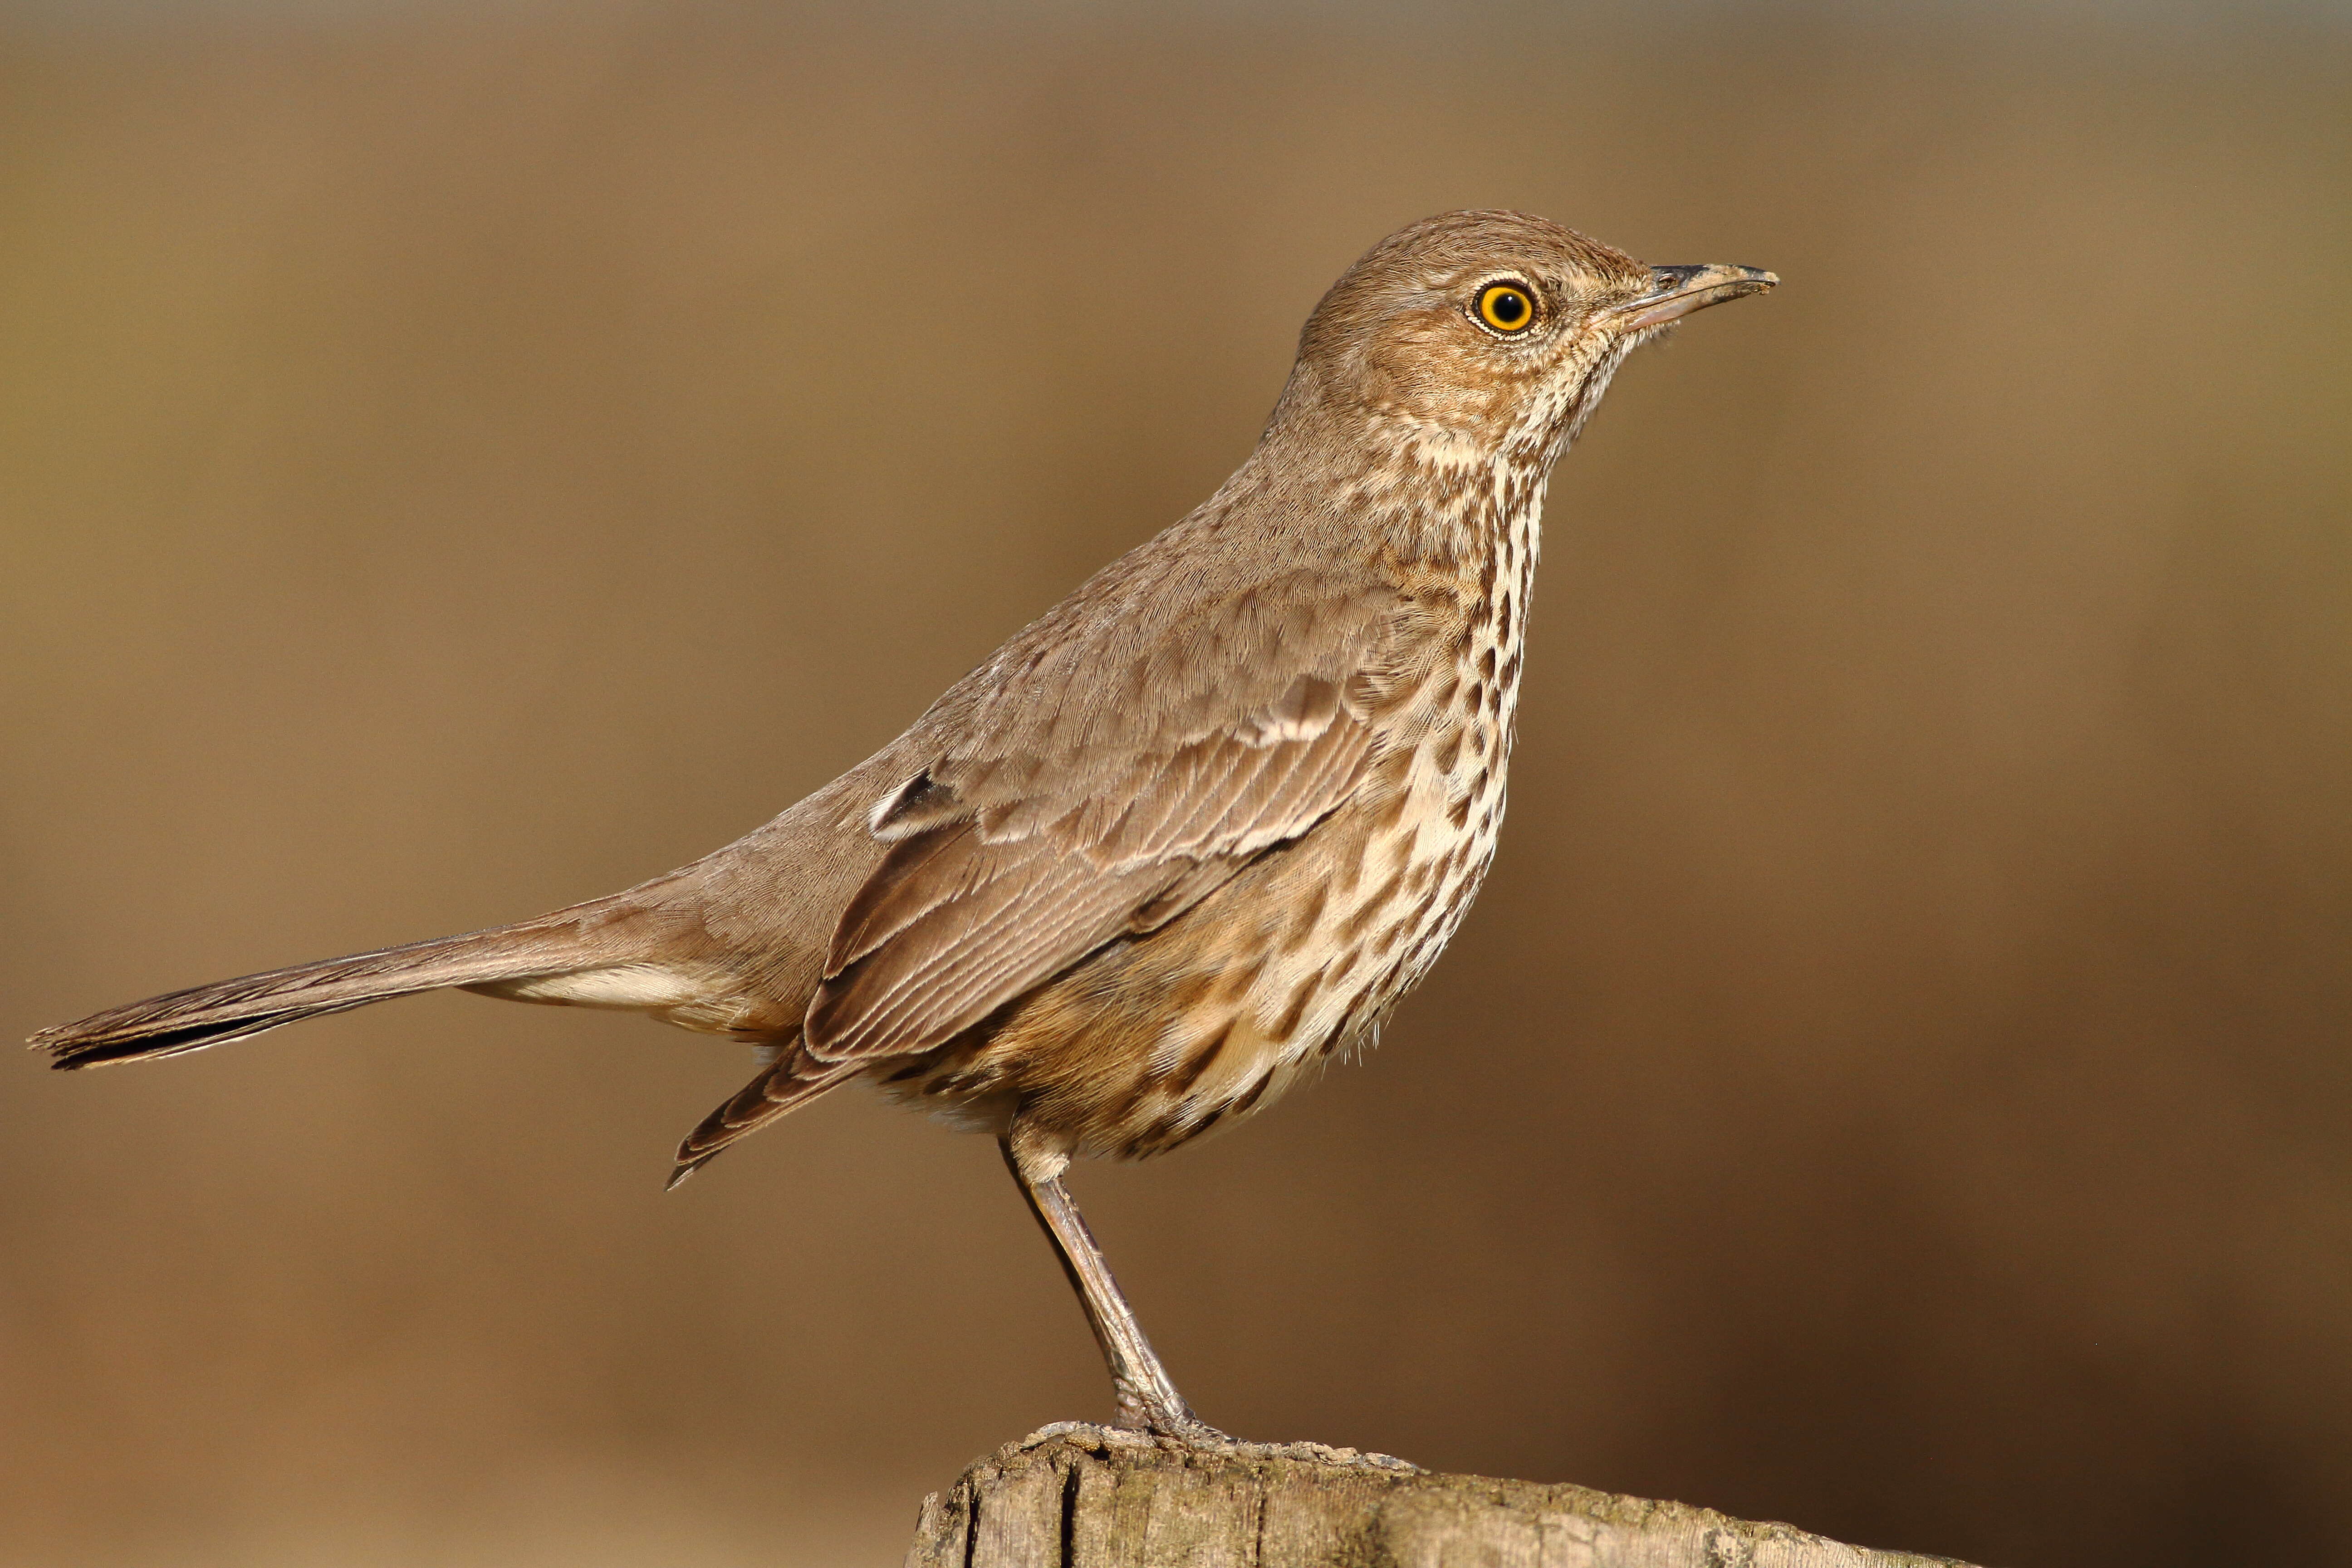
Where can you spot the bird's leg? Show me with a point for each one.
(1147, 1397)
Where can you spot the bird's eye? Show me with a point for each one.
(1508, 307)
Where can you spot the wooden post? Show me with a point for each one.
(1074, 1496)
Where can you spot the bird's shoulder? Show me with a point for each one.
(1207, 633)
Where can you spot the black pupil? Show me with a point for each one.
(1509, 306)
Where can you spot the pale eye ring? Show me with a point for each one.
(1505, 306)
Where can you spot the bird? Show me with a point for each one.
(1183, 839)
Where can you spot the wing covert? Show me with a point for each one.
(980, 899)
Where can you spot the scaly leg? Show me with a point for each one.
(1147, 1400)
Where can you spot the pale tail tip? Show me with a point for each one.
(58, 1046)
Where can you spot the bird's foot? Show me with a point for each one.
(1189, 1433)
(1324, 1453)
(1161, 1414)
(1181, 1428)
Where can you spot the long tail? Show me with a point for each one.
(567, 942)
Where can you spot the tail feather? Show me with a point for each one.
(173, 1042)
(225, 1010)
(790, 1083)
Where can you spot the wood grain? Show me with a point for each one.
(1074, 1496)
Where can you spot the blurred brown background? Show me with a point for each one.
(453, 463)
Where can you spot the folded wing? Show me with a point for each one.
(1053, 824)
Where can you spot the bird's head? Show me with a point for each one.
(1476, 335)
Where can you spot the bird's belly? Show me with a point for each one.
(1155, 1040)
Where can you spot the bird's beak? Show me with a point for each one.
(1676, 291)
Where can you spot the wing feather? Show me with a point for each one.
(1076, 793)
(955, 958)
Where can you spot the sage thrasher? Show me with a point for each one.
(1189, 834)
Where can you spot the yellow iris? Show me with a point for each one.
(1507, 307)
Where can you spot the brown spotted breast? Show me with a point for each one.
(1160, 1036)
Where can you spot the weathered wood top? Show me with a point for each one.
(1074, 1496)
